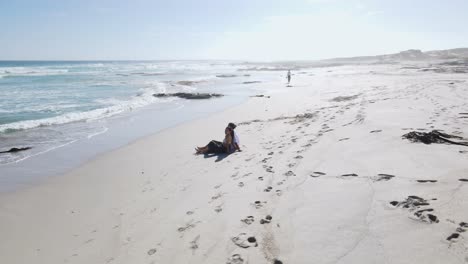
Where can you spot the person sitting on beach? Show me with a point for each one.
(236, 137)
(227, 146)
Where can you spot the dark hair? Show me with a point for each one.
(232, 126)
(231, 130)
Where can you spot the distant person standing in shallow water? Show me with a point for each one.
(289, 76)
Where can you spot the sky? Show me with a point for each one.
(254, 30)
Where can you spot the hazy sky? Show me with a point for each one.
(230, 29)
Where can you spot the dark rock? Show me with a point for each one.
(191, 96)
(13, 150)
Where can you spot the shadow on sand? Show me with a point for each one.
(219, 156)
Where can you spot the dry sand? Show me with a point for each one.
(324, 176)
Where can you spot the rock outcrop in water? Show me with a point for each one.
(13, 150)
(190, 96)
(434, 137)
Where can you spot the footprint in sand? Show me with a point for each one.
(268, 189)
(194, 244)
(248, 220)
(240, 184)
(266, 220)
(343, 139)
(218, 209)
(289, 173)
(151, 251)
(299, 157)
(279, 192)
(425, 181)
(235, 259)
(316, 174)
(383, 177)
(463, 180)
(260, 178)
(350, 175)
(245, 241)
(376, 131)
(187, 226)
(258, 204)
(454, 237)
(462, 228)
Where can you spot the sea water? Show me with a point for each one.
(68, 112)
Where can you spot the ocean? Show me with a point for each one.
(68, 112)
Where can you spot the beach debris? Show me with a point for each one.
(245, 241)
(13, 150)
(235, 259)
(414, 203)
(433, 137)
(190, 96)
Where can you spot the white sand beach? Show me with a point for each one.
(324, 176)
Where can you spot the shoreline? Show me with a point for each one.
(34, 162)
(324, 176)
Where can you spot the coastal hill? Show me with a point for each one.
(409, 55)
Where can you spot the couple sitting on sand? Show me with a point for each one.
(229, 145)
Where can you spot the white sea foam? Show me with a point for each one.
(144, 98)
(30, 71)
